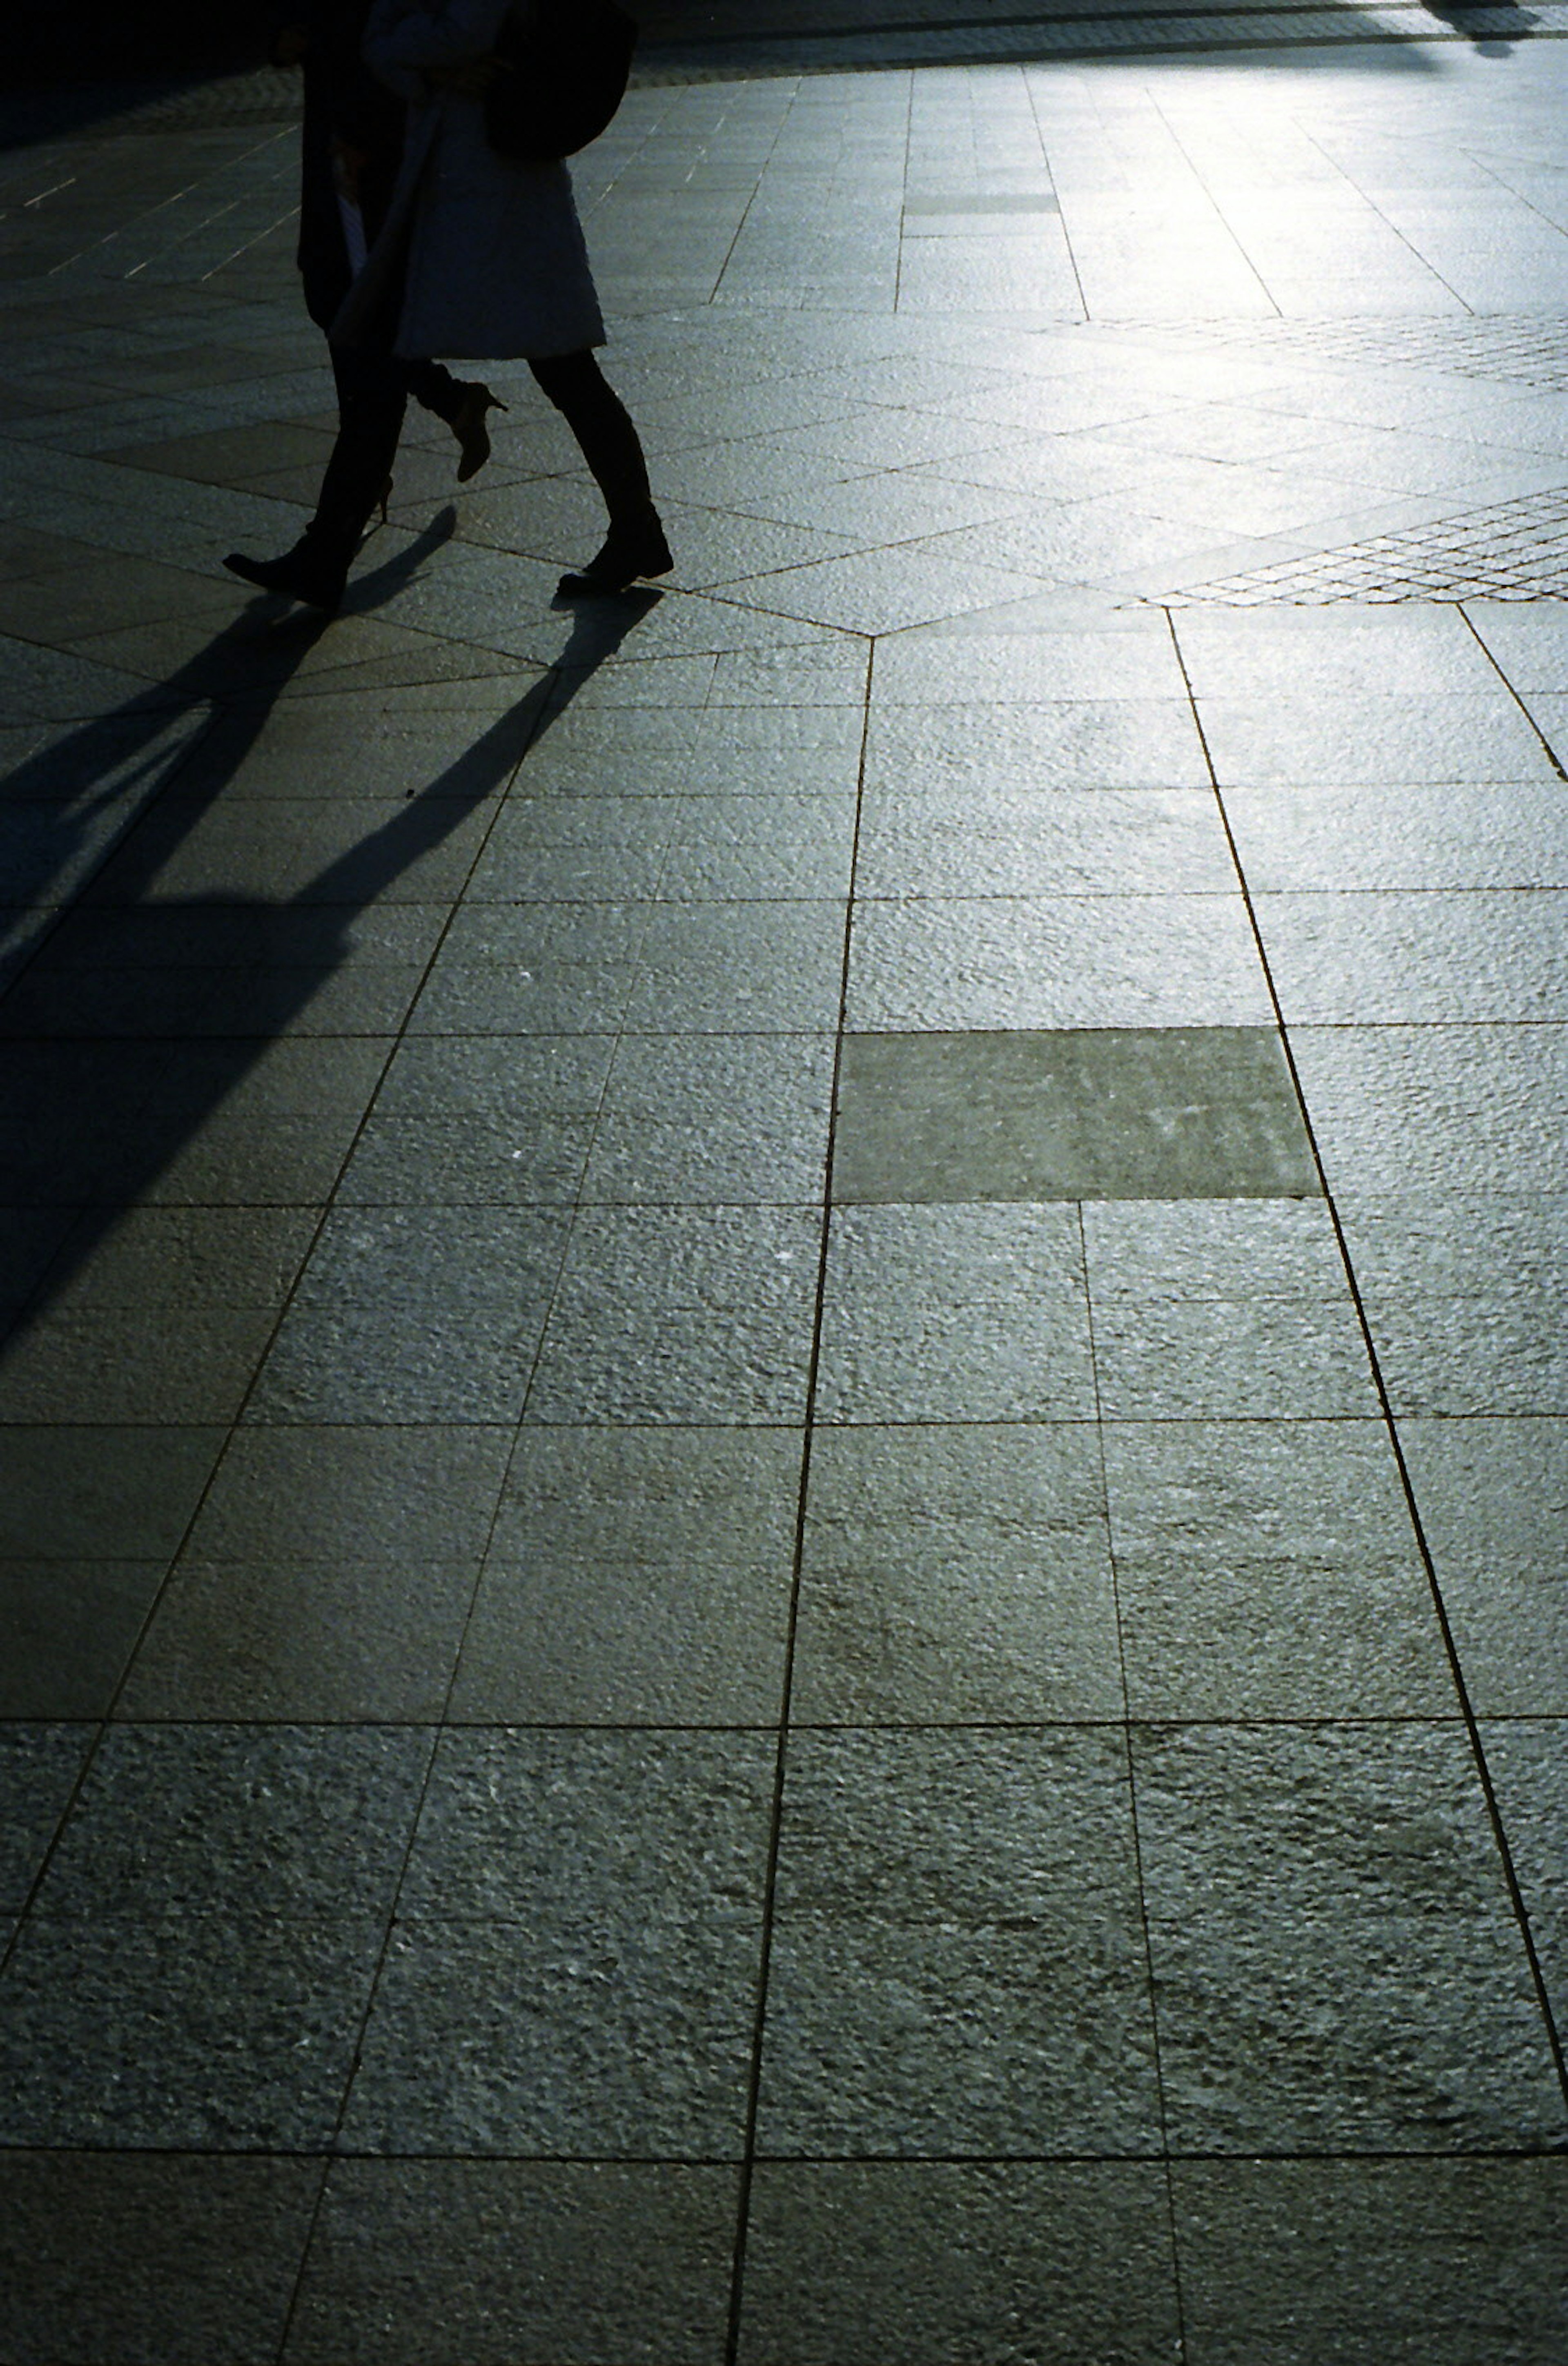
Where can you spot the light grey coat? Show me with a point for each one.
(497, 265)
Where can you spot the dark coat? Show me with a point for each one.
(483, 257)
(346, 105)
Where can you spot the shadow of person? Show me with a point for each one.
(67, 808)
(143, 1015)
(1491, 26)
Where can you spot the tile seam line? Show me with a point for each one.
(1126, 1737)
(551, 684)
(770, 1878)
(214, 712)
(1391, 1429)
(728, 2161)
(231, 1428)
(1549, 752)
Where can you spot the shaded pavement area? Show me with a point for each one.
(784, 1445)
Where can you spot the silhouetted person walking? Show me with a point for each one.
(351, 146)
(496, 263)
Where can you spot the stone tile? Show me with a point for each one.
(70, 1626)
(682, 1315)
(1340, 960)
(1406, 2260)
(963, 1313)
(728, 1117)
(761, 847)
(955, 1575)
(190, 1257)
(1530, 1774)
(1125, 656)
(1325, 1493)
(1300, 738)
(881, 591)
(216, 2033)
(187, 2257)
(764, 967)
(534, 970)
(77, 1492)
(1034, 839)
(547, 1867)
(306, 851)
(472, 1158)
(635, 1577)
(1461, 1110)
(557, 1078)
(1492, 1496)
(967, 745)
(369, 1335)
(324, 1641)
(1097, 1114)
(1228, 1637)
(1403, 837)
(398, 1498)
(1343, 652)
(930, 2261)
(175, 1821)
(1196, 1249)
(39, 1768)
(511, 2261)
(1039, 962)
(958, 1962)
(1336, 1966)
(1269, 1572)
(1165, 1359)
(132, 1365)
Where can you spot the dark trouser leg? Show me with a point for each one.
(372, 395)
(602, 426)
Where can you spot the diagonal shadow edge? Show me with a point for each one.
(126, 1074)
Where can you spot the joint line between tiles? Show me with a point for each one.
(1467, 1710)
(770, 1877)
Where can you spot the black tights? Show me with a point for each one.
(602, 426)
(373, 392)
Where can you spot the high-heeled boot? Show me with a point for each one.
(468, 425)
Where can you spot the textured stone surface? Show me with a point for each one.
(1104, 1113)
(956, 1573)
(637, 1577)
(592, 1626)
(1410, 2261)
(1335, 1961)
(183, 2257)
(550, 1873)
(503, 2261)
(958, 1965)
(937, 2260)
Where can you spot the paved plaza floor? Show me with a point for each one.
(784, 1457)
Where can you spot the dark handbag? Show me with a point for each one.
(560, 70)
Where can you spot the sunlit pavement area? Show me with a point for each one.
(786, 1446)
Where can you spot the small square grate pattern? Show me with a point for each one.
(1513, 349)
(1512, 551)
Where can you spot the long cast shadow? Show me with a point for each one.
(141, 1015)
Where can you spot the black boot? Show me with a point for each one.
(633, 548)
(313, 573)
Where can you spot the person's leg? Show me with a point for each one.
(372, 392)
(635, 546)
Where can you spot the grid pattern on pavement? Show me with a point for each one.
(784, 1426)
(1516, 550)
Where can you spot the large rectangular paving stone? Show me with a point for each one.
(1077, 1113)
(1337, 1961)
(958, 1962)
